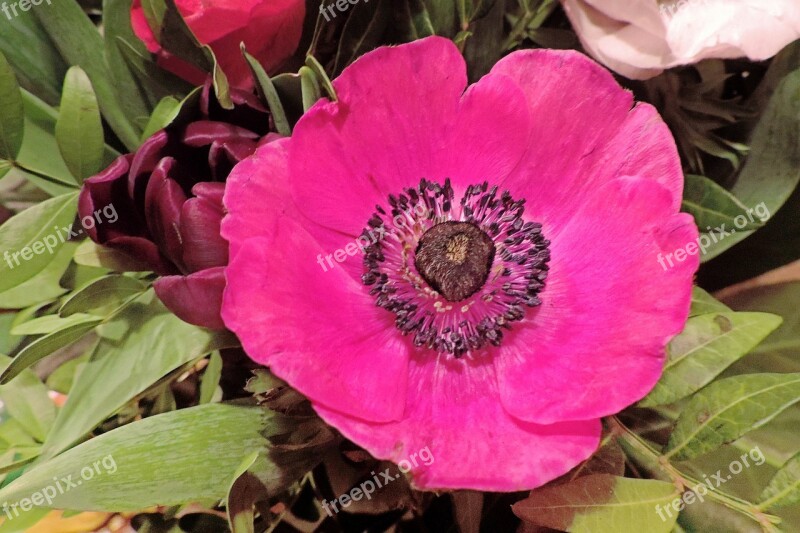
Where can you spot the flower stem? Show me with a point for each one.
(685, 481)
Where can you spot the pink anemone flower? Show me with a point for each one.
(474, 273)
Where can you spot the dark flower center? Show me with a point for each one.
(455, 258)
(456, 275)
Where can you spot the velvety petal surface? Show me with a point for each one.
(200, 219)
(585, 133)
(453, 410)
(641, 38)
(394, 126)
(323, 335)
(597, 343)
(196, 298)
(257, 196)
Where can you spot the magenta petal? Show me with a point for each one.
(454, 415)
(577, 102)
(490, 134)
(257, 195)
(597, 344)
(196, 298)
(316, 329)
(210, 192)
(144, 251)
(205, 132)
(200, 218)
(102, 190)
(389, 129)
(144, 162)
(163, 201)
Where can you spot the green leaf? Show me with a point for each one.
(322, 76)
(416, 23)
(770, 173)
(289, 89)
(33, 228)
(63, 377)
(40, 151)
(441, 13)
(44, 325)
(703, 303)
(44, 346)
(211, 377)
(243, 494)
(708, 345)
(727, 409)
(8, 342)
(713, 517)
(177, 38)
(310, 87)
(784, 488)
(80, 44)
(154, 11)
(485, 46)
(156, 82)
(113, 376)
(164, 113)
(221, 87)
(27, 401)
(12, 119)
(268, 93)
(108, 291)
(24, 522)
(166, 460)
(366, 24)
(39, 67)
(778, 352)
(116, 28)
(79, 130)
(712, 206)
(45, 286)
(91, 254)
(601, 502)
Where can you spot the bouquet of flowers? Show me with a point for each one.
(411, 265)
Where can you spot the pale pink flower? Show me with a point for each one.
(641, 38)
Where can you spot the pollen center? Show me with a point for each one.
(455, 259)
(456, 273)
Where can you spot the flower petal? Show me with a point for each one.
(454, 412)
(727, 29)
(597, 343)
(317, 329)
(203, 246)
(257, 195)
(386, 132)
(435, 132)
(584, 134)
(163, 201)
(196, 298)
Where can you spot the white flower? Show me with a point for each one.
(641, 38)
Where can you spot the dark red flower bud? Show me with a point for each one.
(169, 199)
